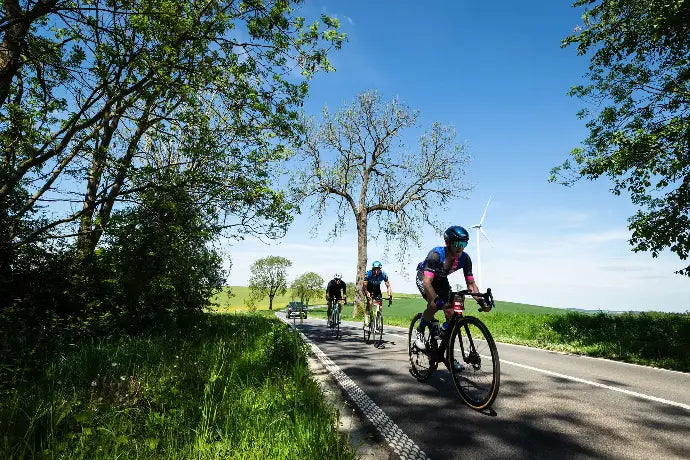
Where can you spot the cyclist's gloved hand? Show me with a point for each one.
(439, 302)
(483, 306)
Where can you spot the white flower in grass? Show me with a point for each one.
(93, 384)
(123, 377)
(114, 364)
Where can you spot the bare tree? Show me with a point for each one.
(357, 161)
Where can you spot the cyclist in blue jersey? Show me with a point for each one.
(372, 286)
(432, 275)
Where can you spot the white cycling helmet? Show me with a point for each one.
(337, 276)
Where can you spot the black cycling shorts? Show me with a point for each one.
(440, 285)
(375, 290)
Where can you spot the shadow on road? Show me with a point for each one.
(528, 420)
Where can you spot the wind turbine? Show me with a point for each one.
(481, 230)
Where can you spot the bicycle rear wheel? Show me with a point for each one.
(472, 345)
(379, 327)
(421, 362)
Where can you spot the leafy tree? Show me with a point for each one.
(307, 286)
(640, 86)
(91, 92)
(355, 163)
(268, 278)
(350, 289)
(159, 256)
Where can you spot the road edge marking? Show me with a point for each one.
(387, 428)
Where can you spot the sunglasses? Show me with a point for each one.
(459, 244)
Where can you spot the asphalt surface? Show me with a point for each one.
(550, 405)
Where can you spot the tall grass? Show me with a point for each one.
(656, 339)
(230, 386)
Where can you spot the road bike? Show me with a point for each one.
(375, 326)
(466, 348)
(334, 320)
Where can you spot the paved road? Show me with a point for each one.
(550, 405)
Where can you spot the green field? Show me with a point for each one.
(405, 306)
(234, 299)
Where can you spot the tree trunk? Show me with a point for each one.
(86, 241)
(270, 302)
(361, 261)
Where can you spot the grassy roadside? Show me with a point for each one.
(654, 339)
(230, 386)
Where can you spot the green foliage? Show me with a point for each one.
(120, 102)
(91, 87)
(269, 278)
(218, 387)
(160, 258)
(657, 339)
(640, 78)
(307, 286)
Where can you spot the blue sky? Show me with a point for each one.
(496, 72)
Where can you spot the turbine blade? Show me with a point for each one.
(487, 207)
(485, 236)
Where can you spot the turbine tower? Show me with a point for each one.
(479, 256)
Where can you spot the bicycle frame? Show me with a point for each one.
(456, 312)
(336, 306)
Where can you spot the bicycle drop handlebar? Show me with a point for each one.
(389, 299)
(486, 298)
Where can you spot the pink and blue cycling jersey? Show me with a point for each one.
(433, 265)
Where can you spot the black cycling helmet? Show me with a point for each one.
(455, 234)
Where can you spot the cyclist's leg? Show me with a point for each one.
(340, 307)
(430, 310)
(367, 307)
(330, 303)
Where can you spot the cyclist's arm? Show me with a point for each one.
(471, 284)
(469, 277)
(364, 289)
(388, 285)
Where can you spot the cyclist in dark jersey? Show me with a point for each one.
(432, 274)
(372, 285)
(335, 290)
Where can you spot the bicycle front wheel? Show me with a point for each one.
(474, 364)
(379, 327)
(337, 323)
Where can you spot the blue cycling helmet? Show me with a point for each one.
(456, 236)
(376, 264)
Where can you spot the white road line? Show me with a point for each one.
(600, 385)
(590, 382)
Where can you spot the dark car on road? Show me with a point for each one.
(296, 309)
